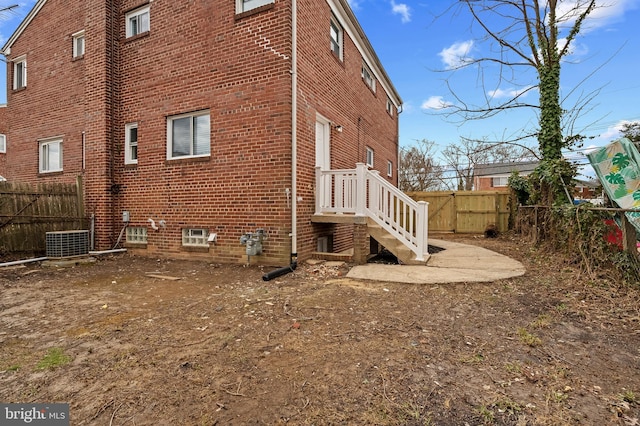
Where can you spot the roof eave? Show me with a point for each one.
(6, 49)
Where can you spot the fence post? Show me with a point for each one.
(629, 243)
(361, 188)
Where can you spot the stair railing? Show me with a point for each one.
(362, 192)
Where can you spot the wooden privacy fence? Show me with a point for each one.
(28, 212)
(466, 211)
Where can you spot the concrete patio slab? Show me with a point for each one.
(456, 263)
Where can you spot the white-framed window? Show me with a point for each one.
(369, 159)
(389, 168)
(247, 5)
(390, 107)
(131, 143)
(137, 234)
(188, 135)
(195, 237)
(499, 181)
(20, 73)
(138, 21)
(3, 143)
(336, 35)
(367, 77)
(78, 44)
(50, 155)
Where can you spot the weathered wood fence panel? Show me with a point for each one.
(28, 212)
(466, 211)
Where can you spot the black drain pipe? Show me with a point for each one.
(282, 271)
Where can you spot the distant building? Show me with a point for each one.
(495, 177)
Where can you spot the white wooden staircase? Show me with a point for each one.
(360, 195)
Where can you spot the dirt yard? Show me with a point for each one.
(219, 346)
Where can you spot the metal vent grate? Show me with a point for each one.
(67, 243)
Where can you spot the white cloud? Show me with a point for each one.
(402, 10)
(435, 102)
(605, 12)
(456, 55)
(511, 93)
(354, 4)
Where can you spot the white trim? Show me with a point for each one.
(75, 37)
(369, 157)
(43, 157)
(334, 22)
(137, 13)
(247, 5)
(19, 60)
(195, 237)
(172, 119)
(128, 158)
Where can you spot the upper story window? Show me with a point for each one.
(3, 143)
(131, 143)
(20, 73)
(336, 34)
(137, 21)
(50, 155)
(389, 168)
(367, 77)
(188, 135)
(369, 159)
(247, 5)
(78, 44)
(390, 107)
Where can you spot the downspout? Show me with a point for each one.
(294, 128)
(293, 260)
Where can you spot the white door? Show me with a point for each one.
(323, 153)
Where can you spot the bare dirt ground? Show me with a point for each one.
(220, 346)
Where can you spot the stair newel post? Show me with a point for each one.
(421, 230)
(361, 192)
(319, 190)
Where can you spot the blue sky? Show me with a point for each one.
(418, 41)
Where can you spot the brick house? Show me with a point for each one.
(194, 122)
(495, 176)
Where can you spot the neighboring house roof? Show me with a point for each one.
(348, 21)
(486, 170)
(593, 184)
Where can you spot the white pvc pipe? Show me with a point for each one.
(97, 253)
(22, 262)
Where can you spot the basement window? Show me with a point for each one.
(137, 234)
(195, 237)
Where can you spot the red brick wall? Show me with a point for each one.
(194, 58)
(52, 103)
